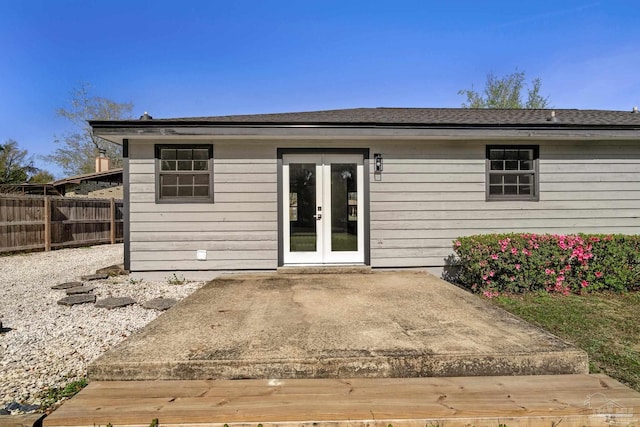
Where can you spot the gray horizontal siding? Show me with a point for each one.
(497, 221)
(480, 206)
(238, 230)
(167, 219)
(246, 187)
(429, 195)
(400, 261)
(245, 255)
(221, 208)
(206, 236)
(422, 187)
(173, 265)
(201, 226)
(472, 217)
(421, 196)
(383, 237)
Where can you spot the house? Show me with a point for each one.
(40, 189)
(385, 187)
(98, 185)
(104, 183)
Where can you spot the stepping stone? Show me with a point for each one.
(113, 270)
(66, 285)
(95, 276)
(21, 409)
(84, 289)
(115, 302)
(13, 406)
(77, 299)
(160, 304)
(2, 331)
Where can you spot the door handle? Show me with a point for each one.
(318, 216)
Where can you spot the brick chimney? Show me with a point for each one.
(103, 163)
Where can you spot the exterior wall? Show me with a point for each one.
(238, 230)
(432, 192)
(94, 190)
(429, 193)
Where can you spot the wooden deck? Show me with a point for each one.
(568, 400)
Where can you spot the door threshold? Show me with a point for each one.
(325, 269)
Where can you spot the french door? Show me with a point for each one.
(322, 208)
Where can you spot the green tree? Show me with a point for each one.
(42, 177)
(79, 148)
(15, 166)
(506, 92)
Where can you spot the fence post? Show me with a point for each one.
(47, 223)
(113, 221)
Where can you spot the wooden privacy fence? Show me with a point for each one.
(45, 222)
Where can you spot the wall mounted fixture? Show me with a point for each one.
(377, 162)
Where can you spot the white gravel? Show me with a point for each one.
(50, 345)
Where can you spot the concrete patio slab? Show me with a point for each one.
(383, 324)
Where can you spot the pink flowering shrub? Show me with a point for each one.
(565, 264)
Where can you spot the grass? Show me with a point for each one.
(54, 395)
(605, 325)
(176, 280)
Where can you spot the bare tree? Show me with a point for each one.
(79, 148)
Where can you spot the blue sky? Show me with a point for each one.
(199, 58)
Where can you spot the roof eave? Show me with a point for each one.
(137, 124)
(117, 131)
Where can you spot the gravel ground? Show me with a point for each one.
(49, 345)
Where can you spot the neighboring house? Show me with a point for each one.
(97, 185)
(23, 189)
(103, 184)
(386, 187)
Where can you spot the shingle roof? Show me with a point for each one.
(88, 176)
(455, 117)
(442, 116)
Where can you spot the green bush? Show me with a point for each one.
(516, 263)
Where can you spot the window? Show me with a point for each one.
(184, 173)
(512, 172)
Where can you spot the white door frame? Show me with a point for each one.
(324, 253)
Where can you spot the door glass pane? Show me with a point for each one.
(344, 207)
(302, 207)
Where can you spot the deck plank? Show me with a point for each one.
(486, 401)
